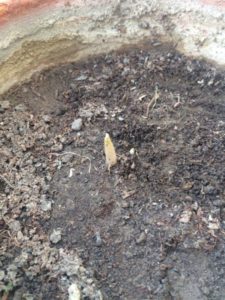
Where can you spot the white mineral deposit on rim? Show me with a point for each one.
(195, 27)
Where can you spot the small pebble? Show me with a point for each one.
(56, 236)
(20, 236)
(124, 204)
(47, 118)
(48, 177)
(132, 166)
(57, 147)
(142, 238)
(206, 291)
(126, 60)
(98, 239)
(144, 25)
(209, 190)
(5, 104)
(15, 226)
(132, 151)
(77, 124)
(20, 107)
(121, 119)
(28, 297)
(73, 86)
(67, 158)
(74, 292)
(218, 203)
(60, 111)
(46, 205)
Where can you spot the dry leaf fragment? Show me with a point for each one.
(110, 153)
(185, 216)
(213, 223)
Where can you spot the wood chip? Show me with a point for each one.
(110, 153)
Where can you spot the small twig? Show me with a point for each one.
(3, 234)
(152, 102)
(7, 182)
(73, 153)
(126, 194)
(178, 102)
(124, 98)
(36, 93)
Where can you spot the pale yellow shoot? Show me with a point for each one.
(110, 153)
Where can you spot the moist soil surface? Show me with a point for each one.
(150, 228)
